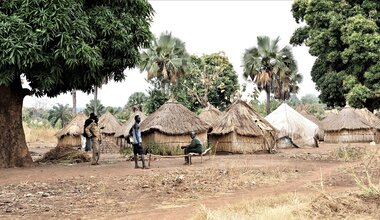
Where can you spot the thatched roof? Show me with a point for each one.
(243, 120)
(109, 122)
(173, 118)
(292, 124)
(311, 118)
(210, 114)
(123, 131)
(350, 119)
(372, 119)
(74, 128)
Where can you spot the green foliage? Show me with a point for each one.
(90, 107)
(64, 45)
(349, 153)
(211, 78)
(136, 100)
(61, 113)
(261, 107)
(165, 60)
(345, 38)
(272, 69)
(155, 99)
(163, 150)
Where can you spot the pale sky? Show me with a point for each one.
(206, 27)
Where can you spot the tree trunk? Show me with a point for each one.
(96, 100)
(267, 90)
(74, 94)
(13, 149)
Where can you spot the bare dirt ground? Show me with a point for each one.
(170, 190)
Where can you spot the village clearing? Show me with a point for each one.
(335, 181)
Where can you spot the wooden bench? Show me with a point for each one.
(190, 155)
(207, 151)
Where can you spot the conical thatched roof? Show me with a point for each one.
(109, 122)
(348, 118)
(210, 114)
(243, 120)
(74, 128)
(372, 119)
(174, 119)
(292, 124)
(124, 129)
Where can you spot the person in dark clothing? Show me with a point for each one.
(194, 147)
(135, 132)
(86, 124)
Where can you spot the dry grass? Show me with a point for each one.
(40, 134)
(297, 206)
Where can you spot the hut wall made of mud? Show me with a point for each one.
(234, 143)
(349, 136)
(70, 140)
(159, 139)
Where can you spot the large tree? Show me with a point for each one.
(165, 60)
(270, 68)
(344, 35)
(211, 78)
(59, 46)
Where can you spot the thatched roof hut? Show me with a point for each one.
(242, 130)
(109, 125)
(316, 121)
(350, 125)
(71, 134)
(123, 131)
(294, 129)
(210, 114)
(170, 126)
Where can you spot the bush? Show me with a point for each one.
(163, 150)
(348, 153)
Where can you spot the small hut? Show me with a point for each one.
(316, 121)
(170, 125)
(373, 120)
(349, 125)
(294, 129)
(71, 134)
(242, 130)
(210, 114)
(123, 131)
(109, 125)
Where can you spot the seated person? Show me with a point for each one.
(194, 147)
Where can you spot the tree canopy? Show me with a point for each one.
(344, 35)
(272, 69)
(64, 45)
(60, 46)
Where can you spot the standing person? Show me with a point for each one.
(137, 142)
(194, 147)
(88, 121)
(93, 131)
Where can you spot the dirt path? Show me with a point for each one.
(169, 190)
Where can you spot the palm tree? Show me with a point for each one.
(165, 60)
(60, 112)
(269, 67)
(136, 100)
(90, 107)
